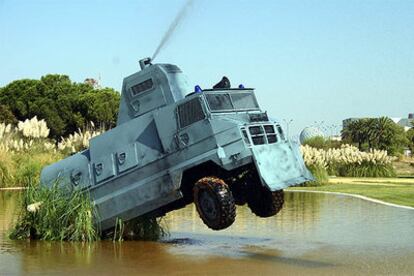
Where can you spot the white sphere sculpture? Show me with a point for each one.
(310, 132)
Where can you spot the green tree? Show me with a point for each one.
(410, 138)
(65, 105)
(100, 106)
(376, 133)
(356, 132)
(385, 134)
(6, 116)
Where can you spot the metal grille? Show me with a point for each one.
(263, 134)
(260, 117)
(190, 112)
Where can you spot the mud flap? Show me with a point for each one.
(280, 165)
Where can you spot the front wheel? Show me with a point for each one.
(214, 202)
(264, 203)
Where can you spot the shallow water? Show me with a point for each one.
(314, 234)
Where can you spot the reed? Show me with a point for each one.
(55, 214)
(320, 174)
(6, 170)
(142, 228)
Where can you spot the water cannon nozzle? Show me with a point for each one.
(145, 62)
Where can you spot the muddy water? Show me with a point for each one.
(314, 234)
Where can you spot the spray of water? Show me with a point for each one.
(180, 16)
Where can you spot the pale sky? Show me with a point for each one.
(310, 61)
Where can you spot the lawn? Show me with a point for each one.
(393, 190)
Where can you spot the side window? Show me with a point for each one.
(190, 112)
(142, 87)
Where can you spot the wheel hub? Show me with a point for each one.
(208, 205)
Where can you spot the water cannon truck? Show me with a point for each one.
(174, 145)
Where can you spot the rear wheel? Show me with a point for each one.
(214, 202)
(264, 203)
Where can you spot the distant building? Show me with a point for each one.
(406, 123)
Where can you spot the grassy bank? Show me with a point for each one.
(26, 148)
(18, 169)
(393, 190)
(404, 167)
(57, 214)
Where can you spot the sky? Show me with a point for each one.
(311, 62)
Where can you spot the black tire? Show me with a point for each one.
(264, 203)
(214, 202)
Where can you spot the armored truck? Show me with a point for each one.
(173, 146)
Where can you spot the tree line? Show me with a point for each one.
(65, 105)
(378, 133)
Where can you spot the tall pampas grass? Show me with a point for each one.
(78, 140)
(349, 161)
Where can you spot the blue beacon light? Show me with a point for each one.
(198, 89)
(241, 86)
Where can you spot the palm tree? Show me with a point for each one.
(355, 132)
(381, 132)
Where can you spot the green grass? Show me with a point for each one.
(404, 167)
(366, 169)
(62, 215)
(70, 216)
(393, 190)
(320, 174)
(19, 169)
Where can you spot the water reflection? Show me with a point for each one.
(300, 213)
(313, 234)
(8, 204)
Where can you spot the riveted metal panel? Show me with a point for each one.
(133, 200)
(73, 171)
(104, 168)
(126, 157)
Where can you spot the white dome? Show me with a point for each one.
(310, 132)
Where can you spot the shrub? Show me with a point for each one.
(320, 142)
(320, 174)
(366, 169)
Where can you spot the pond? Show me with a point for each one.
(313, 234)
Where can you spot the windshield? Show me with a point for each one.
(235, 101)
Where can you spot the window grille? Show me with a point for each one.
(190, 112)
(142, 87)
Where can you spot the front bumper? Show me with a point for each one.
(280, 165)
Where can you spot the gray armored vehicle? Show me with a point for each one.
(213, 147)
